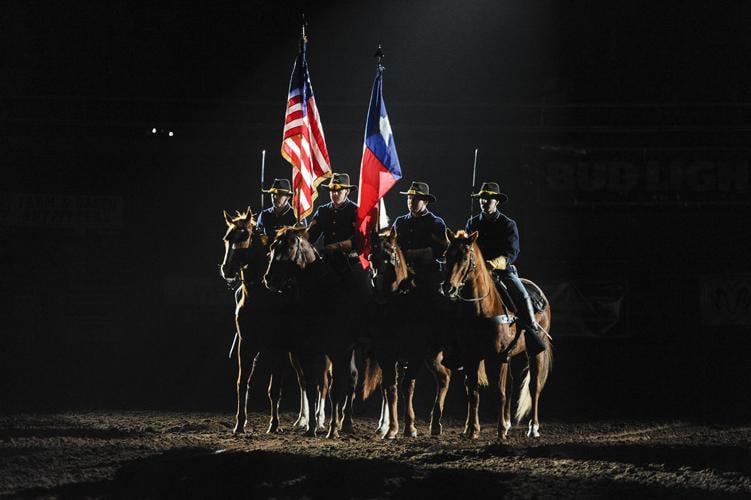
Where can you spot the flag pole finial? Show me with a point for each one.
(303, 31)
(379, 55)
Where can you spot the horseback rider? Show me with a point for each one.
(335, 223)
(421, 235)
(499, 243)
(280, 214)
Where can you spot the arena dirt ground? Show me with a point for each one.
(156, 454)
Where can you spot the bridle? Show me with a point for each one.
(392, 259)
(465, 278)
(234, 245)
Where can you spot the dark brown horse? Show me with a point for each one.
(488, 337)
(404, 336)
(321, 318)
(258, 329)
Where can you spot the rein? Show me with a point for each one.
(467, 275)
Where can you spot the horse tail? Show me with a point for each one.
(482, 376)
(372, 378)
(524, 404)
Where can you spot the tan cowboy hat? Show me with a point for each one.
(337, 182)
(490, 190)
(419, 190)
(279, 186)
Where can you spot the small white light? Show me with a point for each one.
(153, 130)
(171, 133)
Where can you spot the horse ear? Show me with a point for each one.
(249, 213)
(227, 218)
(473, 237)
(450, 235)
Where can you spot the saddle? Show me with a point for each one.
(538, 301)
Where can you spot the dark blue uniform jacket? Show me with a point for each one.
(335, 224)
(498, 236)
(424, 231)
(268, 222)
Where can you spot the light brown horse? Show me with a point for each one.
(488, 338)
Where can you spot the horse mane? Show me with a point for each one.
(492, 305)
(402, 271)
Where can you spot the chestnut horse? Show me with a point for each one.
(257, 311)
(322, 315)
(405, 333)
(488, 337)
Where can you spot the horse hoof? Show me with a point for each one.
(311, 433)
(348, 428)
(275, 430)
(333, 435)
(300, 425)
(391, 434)
(412, 432)
(436, 430)
(534, 430)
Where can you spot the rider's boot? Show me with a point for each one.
(532, 330)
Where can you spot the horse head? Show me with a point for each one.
(390, 271)
(237, 241)
(290, 253)
(461, 262)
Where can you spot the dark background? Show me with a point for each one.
(110, 236)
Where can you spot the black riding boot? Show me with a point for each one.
(524, 311)
(526, 315)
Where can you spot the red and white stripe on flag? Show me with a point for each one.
(304, 146)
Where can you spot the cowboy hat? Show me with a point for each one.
(490, 190)
(337, 182)
(419, 190)
(279, 186)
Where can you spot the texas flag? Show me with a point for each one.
(379, 169)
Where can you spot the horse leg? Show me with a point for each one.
(336, 410)
(535, 387)
(500, 377)
(383, 422)
(311, 374)
(442, 377)
(302, 418)
(324, 391)
(508, 395)
(347, 424)
(245, 366)
(390, 389)
(408, 391)
(472, 424)
(276, 380)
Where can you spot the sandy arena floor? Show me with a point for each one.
(154, 454)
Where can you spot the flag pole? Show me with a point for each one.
(263, 175)
(303, 41)
(471, 201)
(379, 55)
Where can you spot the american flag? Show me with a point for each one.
(303, 144)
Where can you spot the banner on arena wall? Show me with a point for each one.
(726, 299)
(61, 211)
(644, 176)
(588, 308)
